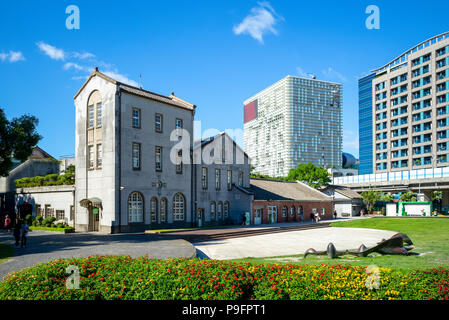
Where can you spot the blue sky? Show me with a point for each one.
(214, 54)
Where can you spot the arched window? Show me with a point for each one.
(300, 210)
(212, 210)
(178, 207)
(153, 210)
(163, 210)
(226, 209)
(219, 210)
(292, 211)
(284, 211)
(135, 207)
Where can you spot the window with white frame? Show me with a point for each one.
(136, 156)
(90, 157)
(178, 207)
(212, 210)
(153, 210)
(99, 114)
(217, 179)
(99, 155)
(219, 210)
(136, 118)
(240, 178)
(158, 158)
(163, 210)
(229, 179)
(91, 116)
(135, 208)
(179, 165)
(158, 122)
(204, 178)
(226, 209)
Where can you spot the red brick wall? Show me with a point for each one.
(307, 210)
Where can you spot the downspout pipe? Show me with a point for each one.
(119, 93)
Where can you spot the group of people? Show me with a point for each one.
(20, 230)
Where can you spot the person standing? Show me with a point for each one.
(317, 217)
(25, 228)
(335, 214)
(17, 231)
(301, 217)
(312, 218)
(7, 222)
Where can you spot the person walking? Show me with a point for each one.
(17, 231)
(317, 217)
(7, 222)
(312, 218)
(301, 217)
(25, 229)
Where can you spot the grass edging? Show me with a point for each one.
(6, 252)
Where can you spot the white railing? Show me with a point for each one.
(394, 176)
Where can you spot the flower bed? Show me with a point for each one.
(122, 277)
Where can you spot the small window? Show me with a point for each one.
(158, 122)
(99, 114)
(163, 210)
(72, 213)
(204, 178)
(136, 118)
(292, 211)
(136, 156)
(212, 210)
(284, 212)
(60, 215)
(178, 124)
(219, 210)
(158, 158)
(226, 209)
(90, 157)
(229, 179)
(217, 179)
(153, 210)
(91, 116)
(99, 155)
(179, 165)
(241, 178)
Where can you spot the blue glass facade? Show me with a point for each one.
(366, 124)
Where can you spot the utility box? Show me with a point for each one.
(391, 210)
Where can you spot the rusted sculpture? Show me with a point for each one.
(398, 244)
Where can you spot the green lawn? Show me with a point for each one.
(6, 252)
(430, 237)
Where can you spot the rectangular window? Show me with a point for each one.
(90, 157)
(72, 213)
(91, 116)
(178, 124)
(158, 158)
(136, 118)
(204, 178)
(241, 178)
(217, 179)
(229, 179)
(99, 114)
(37, 210)
(158, 122)
(179, 166)
(136, 156)
(99, 155)
(60, 215)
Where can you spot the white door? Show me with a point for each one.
(257, 216)
(272, 214)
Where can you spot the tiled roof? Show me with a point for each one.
(282, 190)
(171, 100)
(347, 192)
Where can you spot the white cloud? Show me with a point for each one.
(53, 52)
(70, 65)
(121, 78)
(12, 56)
(332, 74)
(82, 56)
(260, 21)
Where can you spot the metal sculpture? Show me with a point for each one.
(399, 243)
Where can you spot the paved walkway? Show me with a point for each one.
(46, 246)
(290, 243)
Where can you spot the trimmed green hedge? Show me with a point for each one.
(67, 178)
(122, 277)
(56, 229)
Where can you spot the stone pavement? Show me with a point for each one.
(46, 246)
(290, 243)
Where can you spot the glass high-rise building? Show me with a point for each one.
(295, 120)
(409, 110)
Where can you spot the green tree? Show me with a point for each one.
(387, 197)
(408, 196)
(437, 195)
(370, 198)
(18, 137)
(314, 176)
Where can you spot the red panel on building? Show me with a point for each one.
(250, 111)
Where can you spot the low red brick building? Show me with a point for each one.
(281, 201)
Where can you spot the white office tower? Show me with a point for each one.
(296, 120)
